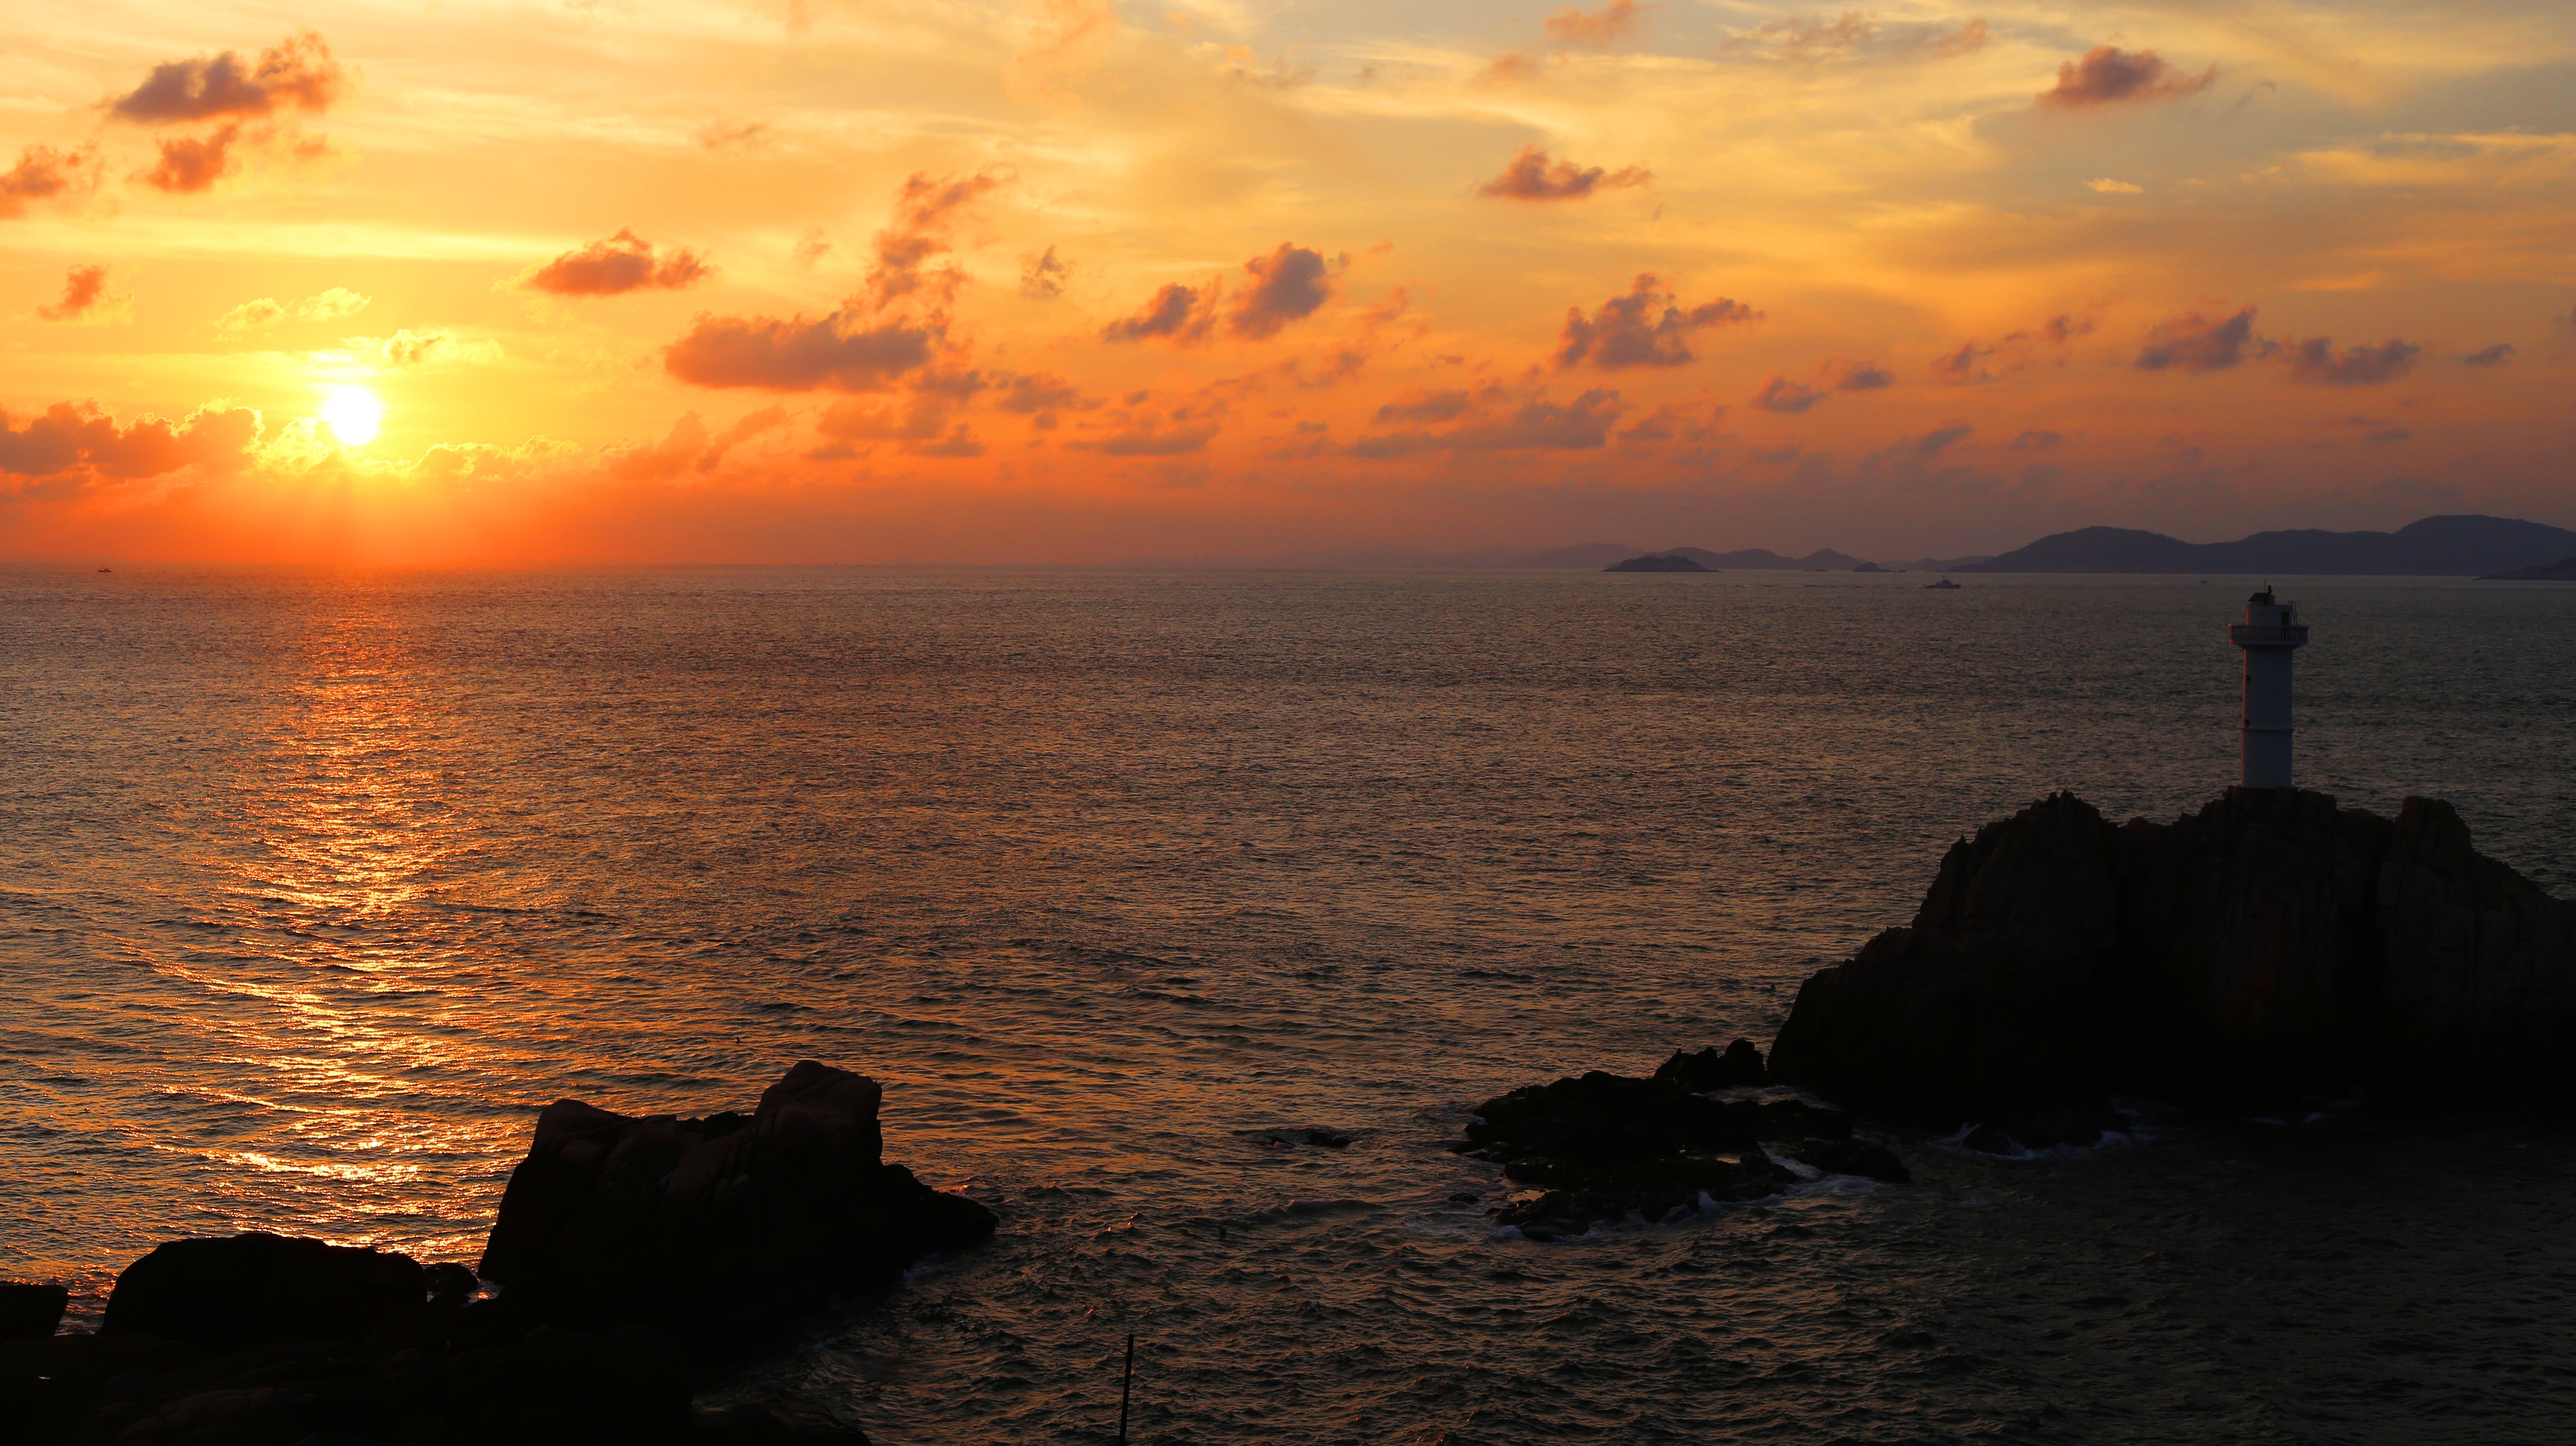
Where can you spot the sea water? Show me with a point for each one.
(314, 887)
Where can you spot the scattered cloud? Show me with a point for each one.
(1043, 276)
(847, 350)
(2316, 360)
(1420, 407)
(1288, 285)
(1537, 425)
(2196, 343)
(1183, 314)
(2108, 75)
(189, 164)
(297, 72)
(2388, 436)
(2493, 356)
(1918, 450)
(925, 210)
(264, 312)
(73, 437)
(2104, 185)
(44, 173)
(1613, 22)
(1531, 176)
(331, 305)
(811, 248)
(719, 135)
(1780, 394)
(621, 263)
(408, 348)
(84, 287)
(1856, 376)
(1147, 441)
(251, 316)
(1646, 327)
(2037, 440)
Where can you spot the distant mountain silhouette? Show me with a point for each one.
(2564, 571)
(1656, 562)
(2460, 546)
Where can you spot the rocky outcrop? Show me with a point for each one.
(2271, 944)
(788, 1204)
(1606, 1147)
(256, 1286)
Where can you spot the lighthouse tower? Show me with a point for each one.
(2268, 635)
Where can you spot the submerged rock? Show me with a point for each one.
(2272, 944)
(1603, 1146)
(788, 1204)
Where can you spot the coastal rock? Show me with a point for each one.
(2271, 945)
(1602, 1146)
(1740, 1064)
(786, 1205)
(31, 1310)
(260, 1287)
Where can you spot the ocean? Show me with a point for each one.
(314, 887)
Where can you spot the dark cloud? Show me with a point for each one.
(1613, 22)
(2108, 75)
(193, 164)
(1967, 364)
(1783, 395)
(1183, 314)
(43, 173)
(2197, 343)
(1147, 441)
(297, 72)
(2037, 440)
(72, 437)
(2016, 351)
(1531, 176)
(925, 209)
(843, 352)
(1287, 285)
(1032, 393)
(1851, 376)
(2386, 435)
(624, 262)
(1931, 444)
(2496, 355)
(1537, 425)
(1646, 327)
(1042, 277)
(2316, 360)
(1427, 407)
(82, 288)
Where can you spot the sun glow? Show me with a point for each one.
(353, 414)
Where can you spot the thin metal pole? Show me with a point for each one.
(1126, 1383)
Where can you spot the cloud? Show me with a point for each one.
(255, 315)
(1040, 395)
(1613, 22)
(2386, 436)
(1287, 285)
(83, 287)
(2017, 350)
(408, 348)
(1780, 394)
(811, 248)
(1531, 176)
(1183, 313)
(1149, 442)
(2197, 343)
(1539, 425)
(2496, 355)
(1646, 327)
(924, 210)
(1042, 277)
(1852, 376)
(2037, 440)
(2316, 360)
(2104, 185)
(191, 164)
(1915, 450)
(73, 437)
(622, 263)
(719, 135)
(1425, 407)
(2108, 75)
(43, 173)
(298, 71)
(842, 351)
(331, 305)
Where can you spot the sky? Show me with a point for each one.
(1066, 281)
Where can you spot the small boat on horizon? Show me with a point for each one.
(1944, 585)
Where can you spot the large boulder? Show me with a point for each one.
(788, 1204)
(30, 1309)
(2271, 943)
(241, 1289)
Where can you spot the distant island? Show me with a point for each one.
(1657, 562)
(2563, 570)
(2458, 546)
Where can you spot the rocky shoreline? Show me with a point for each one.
(633, 1257)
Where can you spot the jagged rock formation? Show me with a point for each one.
(2272, 943)
(788, 1204)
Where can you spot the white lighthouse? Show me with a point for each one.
(2269, 634)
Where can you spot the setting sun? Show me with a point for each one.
(353, 414)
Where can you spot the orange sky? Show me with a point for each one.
(1065, 281)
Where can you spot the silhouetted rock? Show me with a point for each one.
(1854, 1157)
(260, 1287)
(31, 1310)
(788, 1204)
(1604, 1147)
(2561, 571)
(1741, 1064)
(2271, 944)
(1655, 563)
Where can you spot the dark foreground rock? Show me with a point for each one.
(29, 1309)
(1607, 1147)
(2270, 946)
(638, 1258)
(788, 1205)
